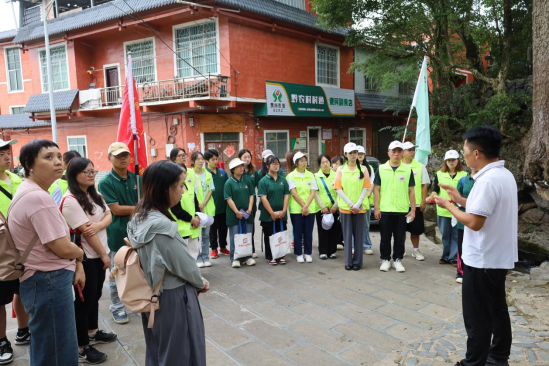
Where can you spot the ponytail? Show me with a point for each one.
(361, 172)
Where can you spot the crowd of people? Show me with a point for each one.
(182, 221)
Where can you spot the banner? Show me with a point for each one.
(421, 104)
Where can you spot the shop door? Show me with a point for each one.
(314, 148)
(227, 145)
(384, 138)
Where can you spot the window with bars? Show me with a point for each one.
(300, 4)
(358, 136)
(196, 46)
(406, 88)
(143, 63)
(17, 110)
(327, 67)
(79, 144)
(15, 73)
(277, 142)
(370, 83)
(59, 69)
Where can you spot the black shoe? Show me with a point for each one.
(356, 267)
(103, 337)
(23, 337)
(492, 361)
(6, 352)
(91, 355)
(348, 268)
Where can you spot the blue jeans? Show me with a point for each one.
(303, 228)
(204, 254)
(48, 299)
(233, 230)
(367, 244)
(116, 305)
(449, 238)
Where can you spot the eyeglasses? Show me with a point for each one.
(275, 164)
(182, 156)
(90, 173)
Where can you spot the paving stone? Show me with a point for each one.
(364, 301)
(232, 312)
(427, 346)
(248, 282)
(273, 336)
(405, 332)
(206, 314)
(370, 337)
(127, 334)
(216, 357)
(364, 316)
(278, 314)
(320, 284)
(427, 354)
(439, 300)
(526, 345)
(318, 297)
(411, 361)
(531, 355)
(279, 296)
(426, 364)
(320, 315)
(409, 316)
(137, 352)
(441, 352)
(400, 299)
(544, 345)
(449, 346)
(512, 309)
(544, 355)
(386, 283)
(359, 355)
(542, 334)
(354, 285)
(308, 355)
(520, 319)
(321, 337)
(217, 281)
(438, 311)
(254, 353)
(221, 332)
(242, 296)
(212, 296)
(430, 286)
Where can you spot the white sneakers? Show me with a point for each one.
(300, 259)
(254, 255)
(250, 262)
(340, 247)
(207, 264)
(201, 264)
(236, 264)
(368, 252)
(417, 255)
(459, 280)
(308, 258)
(386, 265)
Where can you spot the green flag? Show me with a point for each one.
(421, 103)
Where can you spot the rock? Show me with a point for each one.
(540, 273)
(541, 197)
(533, 216)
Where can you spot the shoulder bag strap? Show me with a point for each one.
(327, 190)
(154, 299)
(8, 194)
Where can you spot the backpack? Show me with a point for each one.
(11, 262)
(133, 289)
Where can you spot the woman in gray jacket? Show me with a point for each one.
(178, 336)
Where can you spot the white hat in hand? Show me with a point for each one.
(205, 220)
(327, 221)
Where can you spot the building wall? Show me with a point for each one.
(361, 54)
(16, 98)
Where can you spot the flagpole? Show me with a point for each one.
(408, 121)
(129, 80)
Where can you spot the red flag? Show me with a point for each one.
(125, 131)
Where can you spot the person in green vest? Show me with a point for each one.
(393, 191)
(178, 155)
(274, 195)
(60, 186)
(252, 176)
(9, 290)
(464, 187)
(203, 182)
(338, 161)
(326, 198)
(352, 182)
(302, 184)
(239, 194)
(421, 176)
(184, 213)
(119, 189)
(218, 230)
(367, 245)
(449, 174)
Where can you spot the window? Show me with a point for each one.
(196, 46)
(79, 144)
(59, 69)
(370, 83)
(221, 136)
(143, 61)
(300, 4)
(327, 65)
(278, 143)
(17, 110)
(406, 88)
(358, 136)
(13, 66)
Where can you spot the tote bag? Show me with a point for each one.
(243, 242)
(280, 242)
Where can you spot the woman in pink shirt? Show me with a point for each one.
(53, 265)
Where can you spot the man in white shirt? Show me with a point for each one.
(490, 247)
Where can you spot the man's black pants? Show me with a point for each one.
(218, 230)
(485, 315)
(392, 226)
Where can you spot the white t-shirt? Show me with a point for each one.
(291, 184)
(495, 197)
(424, 176)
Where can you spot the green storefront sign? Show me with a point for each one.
(287, 99)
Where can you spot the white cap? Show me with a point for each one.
(298, 155)
(361, 149)
(351, 146)
(451, 154)
(266, 153)
(395, 145)
(235, 162)
(327, 221)
(408, 145)
(10, 142)
(205, 220)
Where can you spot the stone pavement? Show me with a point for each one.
(321, 314)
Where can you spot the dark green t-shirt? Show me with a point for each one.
(252, 179)
(275, 190)
(464, 188)
(219, 179)
(116, 189)
(239, 191)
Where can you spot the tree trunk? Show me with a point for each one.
(537, 148)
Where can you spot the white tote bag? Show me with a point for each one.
(243, 242)
(279, 242)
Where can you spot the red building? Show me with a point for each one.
(205, 75)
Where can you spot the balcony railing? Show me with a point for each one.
(156, 91)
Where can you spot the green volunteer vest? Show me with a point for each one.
(444, 178)
(303, 188)
(393, 193)
(191, 177)
(371, 198)
(330, 181)
(184, 228)
(417, 168)
(5, 202)
(352, 186)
